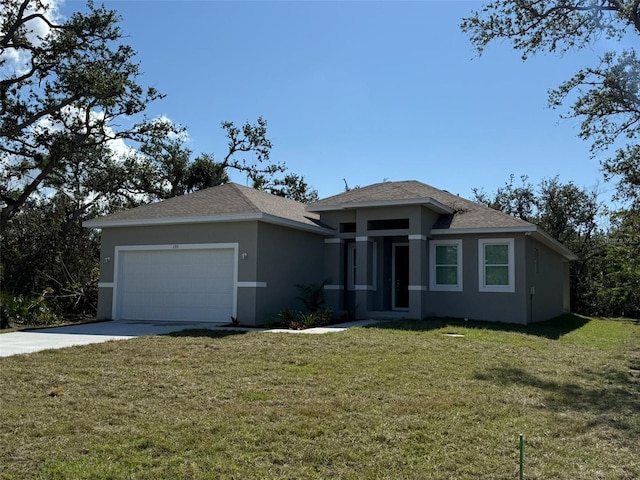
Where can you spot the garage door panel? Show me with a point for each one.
(181, 284)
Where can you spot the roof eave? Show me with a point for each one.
(242, 217)
(533, 230)
(427, 202)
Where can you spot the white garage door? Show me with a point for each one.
(176, 284)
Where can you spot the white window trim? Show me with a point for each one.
(432, 270)
(483, 287)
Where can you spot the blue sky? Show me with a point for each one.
(362, 91)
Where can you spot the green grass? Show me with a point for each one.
(397, 401)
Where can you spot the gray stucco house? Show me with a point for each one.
(393, 249)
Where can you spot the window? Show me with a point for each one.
(352, 266)
(348, 227)
(496, 265)
(389, 224)
(446, 265)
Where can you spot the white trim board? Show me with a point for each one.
(251, 284)
(236, 217)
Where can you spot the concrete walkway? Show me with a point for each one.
(28, 341)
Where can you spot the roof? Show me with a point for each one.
(457, 215)
(457, 212)
(232, 202)
(228, 202)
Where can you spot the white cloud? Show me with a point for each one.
(17, 62)
(176, 132)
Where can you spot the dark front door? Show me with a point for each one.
(401, 276)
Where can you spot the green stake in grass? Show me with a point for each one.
(521, 456)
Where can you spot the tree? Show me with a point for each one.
(605, 96)
(510, 199)
(566, 212)
(204, 172)
(617, 286)
(292, 186)
(167, 170)
(61, 99)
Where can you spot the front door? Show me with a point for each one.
(400, 276)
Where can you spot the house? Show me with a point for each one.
(393, 249)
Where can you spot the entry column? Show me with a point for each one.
(333, 273)
(418, 274)
(364, 276)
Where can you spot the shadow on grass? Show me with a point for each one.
(207, 332)
(613, 396)
(552, 329)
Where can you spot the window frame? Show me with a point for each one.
(510, 287)
(352, 267)
(433, 285)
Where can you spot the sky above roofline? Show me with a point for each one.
(360, 92)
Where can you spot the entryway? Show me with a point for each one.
(400, 290)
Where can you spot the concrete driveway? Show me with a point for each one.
(15, 343)
(28, 341)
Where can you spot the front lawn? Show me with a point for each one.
(402, 400)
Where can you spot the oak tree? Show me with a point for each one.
(605, 95)
(65, 87)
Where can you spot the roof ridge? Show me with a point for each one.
(241, 190)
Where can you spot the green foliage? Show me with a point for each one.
(615, 288)
(289, 319)
(60, 111)
(312, 296)
(292, 186)
(204, 172)
(605, 96)
(168, 170)
(45, 248)
(23, 310)
(301, 320)
(605, 280)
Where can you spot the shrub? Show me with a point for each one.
(312, 296)
(25, 310)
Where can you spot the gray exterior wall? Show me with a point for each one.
(278, 256)
(286, 258)
(242, 233)
(510, 307)
(548, 281)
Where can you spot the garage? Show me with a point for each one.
(175, 283)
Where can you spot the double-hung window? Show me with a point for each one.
(496, 265)
(446, 265)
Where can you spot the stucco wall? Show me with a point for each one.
(242, 233)
(548, 281)
(379, 296)
(471, 302)
(285, 258)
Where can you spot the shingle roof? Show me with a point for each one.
(467, 214)
(226, 201)
(231, 202)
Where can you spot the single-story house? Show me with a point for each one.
(392, 249)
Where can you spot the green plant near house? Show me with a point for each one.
(290, 319)
(312, 296)
(26, 310)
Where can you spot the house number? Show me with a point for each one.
(176, 246)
